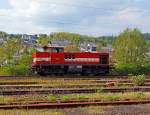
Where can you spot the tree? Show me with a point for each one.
(71, 48)
(43, 40)
(130, 47)
(3, 34)
(9, 48)
(2, 56)
(73, 37)
(98, 46)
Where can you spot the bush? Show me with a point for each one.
(132, 69)
(16, 70)
(125, 69)
(111, 98)
(65, 98)
(5, 71)
(138, 80)
(19, 70)
(52, 98)
(80, 97)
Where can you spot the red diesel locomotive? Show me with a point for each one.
(53, 60)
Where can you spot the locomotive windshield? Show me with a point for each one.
(56, 49)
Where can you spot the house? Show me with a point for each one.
(60, 43)
(29, 39)
(88, 47)
(108, 48)
(1, 41)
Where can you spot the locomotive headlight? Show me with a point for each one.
(34, 59)
(41, 59)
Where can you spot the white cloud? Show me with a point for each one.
(26, 14)
(130, 15)
(37, 16)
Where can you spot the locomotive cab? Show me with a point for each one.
(51, 49)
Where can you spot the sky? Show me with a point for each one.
(89, 17)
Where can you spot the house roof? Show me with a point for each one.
(60, 43)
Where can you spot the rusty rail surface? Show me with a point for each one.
(101, 80)
(68, 76)
(72, 91)
(36, 86)
(68, 105)
(91, 80)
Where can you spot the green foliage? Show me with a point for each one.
(4, 99)
(43, 41)
(71, 48)
(111, 97)
(17, 56)
(106, 40)
(80, 97)
(3, 34)
(130, 47)
(26, 59)
(130, 53)
(98, 46)
(148, 42)
(138, 80)
(52, 98)
(8, 50)
(5, 70)
(20, 67)
(65, 98)
(19, 70)
(75, 38)
(100, 90)
(127, 69)
(2, 55)
(11, 47)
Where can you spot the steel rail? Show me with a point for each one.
(35, 86)
(73, 91)
(69, 105)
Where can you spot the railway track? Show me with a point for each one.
(74, 91)
(44, 81)
(20, 86)
(36, 86)
(16, 82)
(68, 76)
(41, 105)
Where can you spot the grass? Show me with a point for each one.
(58, 82)
(80, 97)
(90, 110)
(31, 112)
(138, 80)
(4, 99)
(52, 98)
(65, 98)
(104, 97)
(109, 96)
